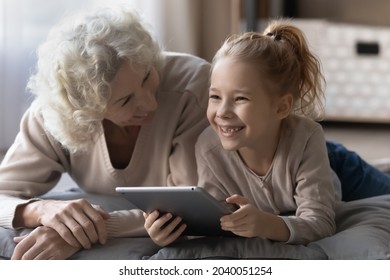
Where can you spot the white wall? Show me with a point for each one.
(373, 12)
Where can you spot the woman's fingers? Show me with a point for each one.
(17, 239)
(91, 222)
(77, 222)
(97, 217)
(64, 229)
(42, 243)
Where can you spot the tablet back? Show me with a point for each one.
(197, 208)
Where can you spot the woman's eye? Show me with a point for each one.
(146, 77)
(127, 99)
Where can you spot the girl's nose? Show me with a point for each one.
(224, 111)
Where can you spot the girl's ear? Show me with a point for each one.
(285, 105)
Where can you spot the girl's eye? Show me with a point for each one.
(213, 96)
(241, 98)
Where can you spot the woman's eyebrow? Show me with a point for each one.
(145, 77)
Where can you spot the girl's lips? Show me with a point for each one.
(229, 131)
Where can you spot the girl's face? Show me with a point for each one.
(133, 96)
(240, 109)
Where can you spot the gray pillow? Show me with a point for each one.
(120, 248)
(236, 248)
(7, 245)
(363, 231)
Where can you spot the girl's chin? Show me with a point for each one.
(229, 146)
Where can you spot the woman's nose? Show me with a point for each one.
(147, 101)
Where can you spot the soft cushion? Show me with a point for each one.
(236, 248)
(363, 232)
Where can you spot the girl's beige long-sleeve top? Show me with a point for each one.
(298, 186)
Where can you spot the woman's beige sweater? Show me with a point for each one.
(163, 155)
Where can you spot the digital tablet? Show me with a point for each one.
(200, 211)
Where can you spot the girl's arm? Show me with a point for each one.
(314, 194)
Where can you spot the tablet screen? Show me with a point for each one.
(197, 208)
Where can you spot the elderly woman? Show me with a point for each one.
(111, 109)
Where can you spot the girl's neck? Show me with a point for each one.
(260, 158)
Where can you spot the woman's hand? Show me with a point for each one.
(43, 243)
(76, 221)
(248, 221)
(161, 230)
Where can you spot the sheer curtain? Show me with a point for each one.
(176, 23)
(193, 26)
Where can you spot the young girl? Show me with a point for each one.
(263, 152)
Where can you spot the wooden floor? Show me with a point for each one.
(371, 141)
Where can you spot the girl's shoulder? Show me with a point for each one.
(300, 124)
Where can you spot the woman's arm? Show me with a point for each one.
(32, 166)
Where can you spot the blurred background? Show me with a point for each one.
(351, 37)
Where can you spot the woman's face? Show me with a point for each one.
(133, 95)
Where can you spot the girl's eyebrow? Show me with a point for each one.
(238, 90)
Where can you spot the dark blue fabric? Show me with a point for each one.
(358, 178)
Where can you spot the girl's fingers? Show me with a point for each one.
(150, 219)
(237, 199)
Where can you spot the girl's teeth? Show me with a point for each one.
(230, 130)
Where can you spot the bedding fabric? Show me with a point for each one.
(363, 232)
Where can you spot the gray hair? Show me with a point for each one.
(76, 64)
